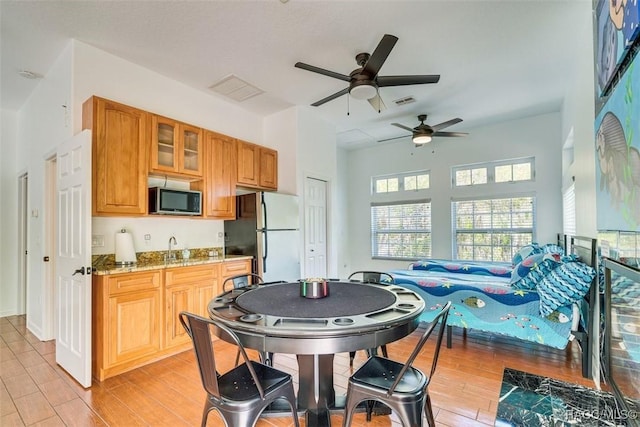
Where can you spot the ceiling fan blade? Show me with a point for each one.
(383, 81)
(449, 134)
(446, 124)
(377, 58)
(394, 138)
(331, 97)
(322, 71)
(403, 127)
(377, 103)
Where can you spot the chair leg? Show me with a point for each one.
(237, 358)
(352, 355)
(428, 411)
(205, 412)
(384, 350)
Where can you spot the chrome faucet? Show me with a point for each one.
(170, 255)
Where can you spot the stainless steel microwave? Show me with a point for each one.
(174, 202)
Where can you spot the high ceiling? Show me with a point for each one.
(498, 60)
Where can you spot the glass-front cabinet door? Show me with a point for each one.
(176, 148)
(191, 150)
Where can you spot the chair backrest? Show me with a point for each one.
(441, 318)
(241, 281)
(199, 329)
(371, 277)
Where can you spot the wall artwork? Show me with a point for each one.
(617, 140)
(616, 27)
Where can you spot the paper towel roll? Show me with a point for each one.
(125, 253)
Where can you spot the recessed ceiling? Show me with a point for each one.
(498, 60)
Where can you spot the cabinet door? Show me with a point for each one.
(164, 144)
(191, 153)
(248, 164)
(234, 268)
(220, 176)
(268, 168)
(203, 293)
(134, 326)
(177, 299)
(119, 158)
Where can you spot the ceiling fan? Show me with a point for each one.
(364, 82)
(423, 133)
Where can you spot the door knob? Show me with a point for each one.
(80, 270)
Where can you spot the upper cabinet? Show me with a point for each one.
(219, 184)
(176, 148)
(257, 166)
(119, 159)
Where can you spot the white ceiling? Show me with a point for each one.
(498, 60)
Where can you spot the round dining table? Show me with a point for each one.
(278, 318)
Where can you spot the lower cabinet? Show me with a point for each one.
(187, 289)
(126, 321)
(135, 315)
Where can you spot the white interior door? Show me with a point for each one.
(73, 255)
(315, 237)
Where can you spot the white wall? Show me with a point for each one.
(317, 158)
(538, 136)
(280, 133)
(41, 125)
(8, 214)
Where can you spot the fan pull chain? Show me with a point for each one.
(379, 99)
(348, 104)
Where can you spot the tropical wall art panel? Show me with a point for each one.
(616, 27)
(617, 144)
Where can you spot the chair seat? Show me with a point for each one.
(238, 384)
(379, 372)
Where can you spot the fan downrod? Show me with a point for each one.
(362, 58)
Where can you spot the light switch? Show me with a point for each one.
(97, 240)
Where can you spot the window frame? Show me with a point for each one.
(491, 232)
(375, 248)
(400, 176)
(491, 171)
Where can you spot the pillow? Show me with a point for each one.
(525, 252)
(552, 248)
(532, 270)
(565, 285)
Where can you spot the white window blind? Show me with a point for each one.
(492, 229)
(569, 211)
(401, 230)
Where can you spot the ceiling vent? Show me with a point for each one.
(405, 100)
(235, 88)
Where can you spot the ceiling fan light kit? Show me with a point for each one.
(421, 139)
(364, 82)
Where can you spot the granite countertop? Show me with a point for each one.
(105, 264)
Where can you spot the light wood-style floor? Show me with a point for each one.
(34, 391)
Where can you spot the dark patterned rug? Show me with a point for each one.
(531, 400)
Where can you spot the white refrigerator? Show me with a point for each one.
(267, 227)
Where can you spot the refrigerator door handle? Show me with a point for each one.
(265, 252)
(264, 211)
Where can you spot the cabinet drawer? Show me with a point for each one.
(191, 274)
(232, 268)
(123, 283)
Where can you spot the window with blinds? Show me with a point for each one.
(569, 211)
(492, 229)
(401, 230)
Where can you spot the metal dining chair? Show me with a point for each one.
(241, 394)
(366, 276)
(400, 386)
(241, 281)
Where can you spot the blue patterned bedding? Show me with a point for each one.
(498, 269)
(490, 304)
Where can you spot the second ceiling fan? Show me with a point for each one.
(364, 82)
(423, 133)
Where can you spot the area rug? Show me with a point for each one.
(531, 400)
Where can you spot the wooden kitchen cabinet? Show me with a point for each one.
(234, 268)
(219, 183)
(257, 166)
(187, 289)
(176, 148)
(119, 157)
(127, 321)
